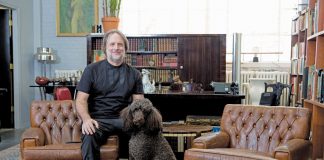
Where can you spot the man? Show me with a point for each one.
(105, 88)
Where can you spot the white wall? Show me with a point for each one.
(23, 59)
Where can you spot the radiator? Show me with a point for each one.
(282, 77)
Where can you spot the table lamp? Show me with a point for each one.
(45, 56)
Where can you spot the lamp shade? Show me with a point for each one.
(45, 54)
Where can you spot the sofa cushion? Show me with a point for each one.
(65, 152)
(226, 153)
(263, 128)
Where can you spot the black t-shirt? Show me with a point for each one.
(109, 87)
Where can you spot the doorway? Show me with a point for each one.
(6, 69)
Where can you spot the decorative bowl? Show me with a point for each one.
(42, 80)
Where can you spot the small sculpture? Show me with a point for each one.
(147, 85)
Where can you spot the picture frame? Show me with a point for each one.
(76, 17)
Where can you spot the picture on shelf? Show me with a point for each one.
(98, 55)
(76, 17)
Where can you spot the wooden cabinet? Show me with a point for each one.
(200, 57)
(314, 62)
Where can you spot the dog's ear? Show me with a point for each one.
(153, 121)
(127, 117)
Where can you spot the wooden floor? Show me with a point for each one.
(9, 137)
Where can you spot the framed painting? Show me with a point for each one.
(76, 17)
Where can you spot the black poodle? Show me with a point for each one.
(144, 122)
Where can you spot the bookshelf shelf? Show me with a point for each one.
(200, 57)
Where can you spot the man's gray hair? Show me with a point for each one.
(108, 34)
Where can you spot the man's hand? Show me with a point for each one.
(88, 126)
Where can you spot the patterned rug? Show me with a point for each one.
(11, 153)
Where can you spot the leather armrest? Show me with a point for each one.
(212, 140)
(294, 149)
(112, 141)
(32, 137)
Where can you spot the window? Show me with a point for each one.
(265, 24)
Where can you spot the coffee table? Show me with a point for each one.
(184, 135)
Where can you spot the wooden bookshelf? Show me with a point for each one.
(200, 57)
(314, 62)
(298, 54)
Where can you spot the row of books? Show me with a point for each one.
(313, 15)
(162, 75)
(145, 44)
(300, 23)
(96, 44)
(153, 44)
(152, 60)
(297, 66)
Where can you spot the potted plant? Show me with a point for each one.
(110, 18)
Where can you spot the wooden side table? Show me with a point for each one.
(184, 134)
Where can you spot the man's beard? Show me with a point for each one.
(118, 59)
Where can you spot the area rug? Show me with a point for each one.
(11, 153)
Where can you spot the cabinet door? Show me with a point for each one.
(202, 58)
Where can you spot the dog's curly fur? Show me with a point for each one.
(144, 122)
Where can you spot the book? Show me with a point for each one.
(310, 84)
(305, 82)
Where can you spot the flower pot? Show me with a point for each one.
(110, 23)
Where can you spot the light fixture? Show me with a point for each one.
(46, 56)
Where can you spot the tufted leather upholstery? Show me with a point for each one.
(257, 132)
(55, 133)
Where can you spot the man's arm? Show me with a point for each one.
(88, 124)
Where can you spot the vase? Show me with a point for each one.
(110, 23)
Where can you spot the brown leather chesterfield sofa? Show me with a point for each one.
(256, 132)
(55, 133)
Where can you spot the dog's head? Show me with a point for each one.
(141, 115)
